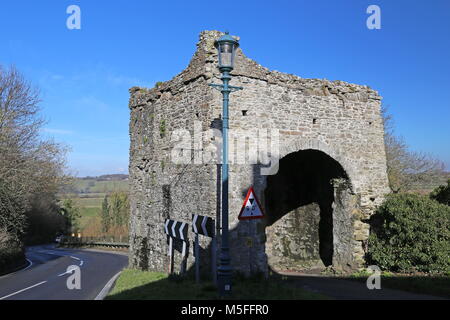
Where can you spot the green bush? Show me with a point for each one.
(442, 194)
(45, 220)
(412, 234)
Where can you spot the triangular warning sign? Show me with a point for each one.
(251, 208)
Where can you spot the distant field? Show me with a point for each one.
(89, 210)
(90, 202)
(91, 195)
(83, 186)
(427, 188)
(88, 195)
(88, 221)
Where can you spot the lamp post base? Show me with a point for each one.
(224, 284)
(224, 273)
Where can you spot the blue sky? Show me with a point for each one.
(84, 75)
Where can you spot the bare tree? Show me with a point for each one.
(27, 162)
(29, 165)
(407, 169)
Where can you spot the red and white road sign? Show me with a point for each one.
(251, 208)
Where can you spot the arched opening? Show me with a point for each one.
(308, 213)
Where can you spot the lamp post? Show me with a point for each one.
(226, 46)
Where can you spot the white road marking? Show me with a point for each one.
(17, 292)
(63, 255)
(52, 253)
(81, 261)
(29, 266)
(102, 294)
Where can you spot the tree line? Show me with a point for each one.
(115, 214)
(408, 169)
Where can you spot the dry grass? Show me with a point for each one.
(94, 229)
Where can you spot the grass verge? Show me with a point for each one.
(145, 285)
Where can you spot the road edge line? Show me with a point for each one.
(107, 287)
(18, 269)
(27, 267)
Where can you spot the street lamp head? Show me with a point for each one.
(227, 46)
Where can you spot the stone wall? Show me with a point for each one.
(341, 120)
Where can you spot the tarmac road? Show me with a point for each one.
(46, 277)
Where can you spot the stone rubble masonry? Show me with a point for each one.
(340, 119)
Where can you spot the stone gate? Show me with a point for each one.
(330, 176)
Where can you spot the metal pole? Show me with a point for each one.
(217, 235)
(214, 260)
(171, 255)
(197, 259)
(224, 270)
(184, 258)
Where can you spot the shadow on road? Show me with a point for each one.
(355, 288)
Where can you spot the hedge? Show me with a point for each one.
(412, 235)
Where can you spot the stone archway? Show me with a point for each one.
(309, 205)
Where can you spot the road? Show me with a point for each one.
(46, 277)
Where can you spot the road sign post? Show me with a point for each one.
(251, 210)
(170, 254)
(197, 259)
(177, 230)
(184, 258)
(202, 225)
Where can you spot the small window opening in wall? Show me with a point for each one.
(244, 113)
(197, 114)
(372, 199)
(314, 121)
(370, 123)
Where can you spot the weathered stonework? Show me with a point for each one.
(331, 141)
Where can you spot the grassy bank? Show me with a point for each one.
(90, 210)
(144, 285)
